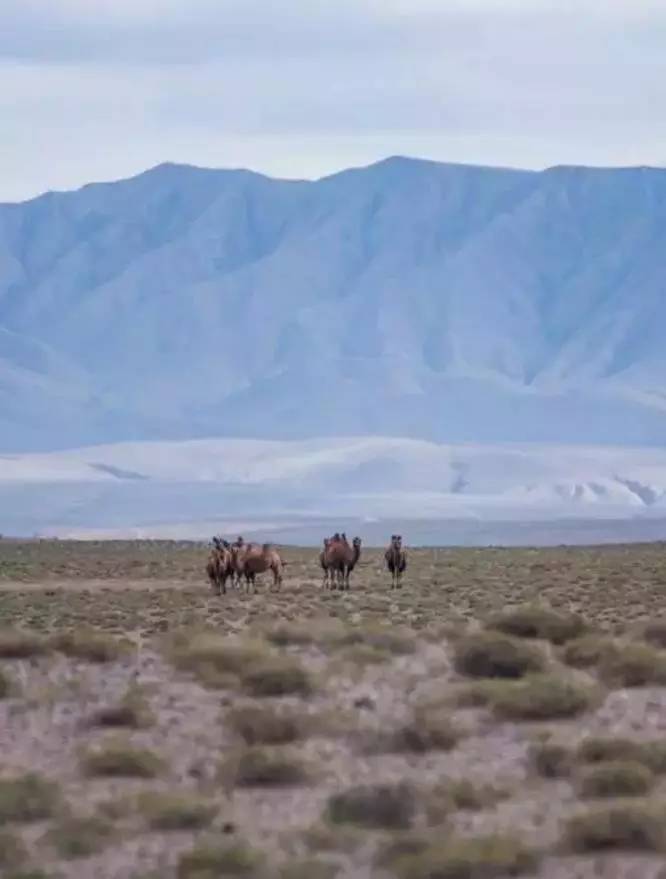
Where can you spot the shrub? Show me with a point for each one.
(539, 622)
(281, 677)
(12, 851)
(214, 861)
(491, 655)
(633, 665)
(5, 685)
(364, 654)
(15, 644)
(89, 646)
(587, 651)
(634, 826)
(482, 857)
(430, 730)
(122, 761)
(167, 812)
(465, 795)
(267, 726)
(381, 806)
(268, 767)
(129, 714)
(28, 798)
(541, 697)
(311, 868)
(551, 760)
(651, 754)
(399, 642)
(616, 778)
(655, 633)
(203, 652)
(79, 837)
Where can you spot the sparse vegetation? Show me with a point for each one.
(474, 858)
(539, 622)
(28, 797)
(266, 725)
(79, 837)
(89, 646)
(551, 760)
(616, 778)
(12, 851)
(164, 811)
(17, 644)
(587, 651)
(633, 665)
(634, 827)
(118, 760)
(541, 697)
(599, 749)
(269, 767)
(430, 730)
(213, 861)
(381, 806)
(492, 655)
(278, 677)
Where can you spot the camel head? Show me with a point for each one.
(327, 542)
(336, 537)
(396, 541)
(217, 542)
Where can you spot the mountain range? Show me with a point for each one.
(409, 298)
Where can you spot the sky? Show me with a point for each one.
(102, 89)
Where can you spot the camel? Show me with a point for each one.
(238, 550)
(396, 560)
(219, 565)
(322, 561)
(258, 559)
(341, 559)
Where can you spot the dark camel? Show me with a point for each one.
(396, 560)
(340, 559)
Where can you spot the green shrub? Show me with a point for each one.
(634, 665)
(587, 651)
(491, 655)
(166, 812)
(278, 677)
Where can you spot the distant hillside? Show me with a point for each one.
(408, 298)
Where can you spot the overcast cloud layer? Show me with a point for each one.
(100, 90)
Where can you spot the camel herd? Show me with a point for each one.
(239, 562)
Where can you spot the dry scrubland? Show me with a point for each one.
(502, 714)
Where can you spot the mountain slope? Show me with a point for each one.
(407, 298)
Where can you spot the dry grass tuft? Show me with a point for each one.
(539, 622)
(587, 651)
(600, 749)
(277, 677)
(214, 861)
(550, 760)
(79, 837)
(541, 697)
(28, 797)
(259, 725)
(492, 655)
(89, 646)
(616, 778)
(655, 633)
(634, 827)
(12, 851)
(467, 796)
(267, 767)
(311, 868)
(15, 644)
(119, 760)
(484, 857)
(430, 730)
(380, 806)
(215, 659)
(633, 665)
(166, 812)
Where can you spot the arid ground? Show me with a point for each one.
(504, 713)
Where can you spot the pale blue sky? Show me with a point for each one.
(100, 89)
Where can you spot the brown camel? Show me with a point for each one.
(396, 560)
(219, 566)
(238, 550)
(322, 561)
(258, 559)
(341, 559)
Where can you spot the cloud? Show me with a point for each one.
(302, 88)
